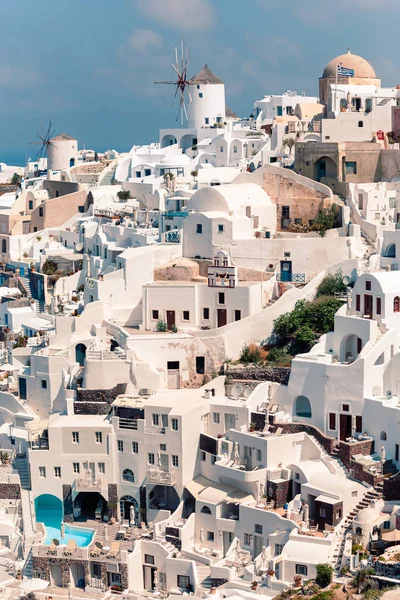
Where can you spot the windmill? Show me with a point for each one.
(45, 137)
(181, 82)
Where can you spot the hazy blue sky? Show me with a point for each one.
(89, 65)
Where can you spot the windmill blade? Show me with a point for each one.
(165, 82)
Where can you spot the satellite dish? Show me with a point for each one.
(79, 247)
(346, 280)
(236, 390)
(247, 391)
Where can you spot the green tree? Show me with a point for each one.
(16, 179)
(124, 195)
(289, 142)
(324, 575)
(331, 284)
(326, 219)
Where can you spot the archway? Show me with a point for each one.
(350, 348)
(49, 510)
(302, 407)
(187, 141)
(125, 504)
(168, 140)
(80, 354)
(128, 475)
(390, 251)
(325, 167)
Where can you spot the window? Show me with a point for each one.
(345, 408)
(368, 286)
(175, 460)
(278, 549)
(220, 228)
(206, 510)
(155, 315)
(359, 423)
(210, 536)
(200, 365)
(396, 454)
(199, 228)
(76, 467)
(247, 539)
(174, 424)
(164, 420)
(120, 445)
(221, 297)
(361, 123)
(297, 475)
(200, 94)
(30, 204)
(383, 436)
(285, 212)
(147, 172)
(301, 570)
(127, 475)
(303, 407)
(386, 525)
(235, 149)
(322, 512)
(396, 305)
(216, 418)
(354, 494)
(221, 149)
(138, 173)
(44, 384)
(332, 421)
(258, 528)
(42, 472)
(206, 314)
(57, 472)
(149, 559)
(99, 437)
(150, 458)
(351, 167)
(379, 306)
(238, 315)
(135, 448)
(40, 211)
(75, 437)
(202, 455)
(163, 447)
(186, 315)
(156, 420)
(358, 302)
(183, 581)
(101, 468)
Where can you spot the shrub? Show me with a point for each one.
(325, 219)
(324, 575)
(49, 267)
(161, 326)
(327, 595)
(280, 356)
(252, 353)
(331, 284)
(124, 195)
(16, 179)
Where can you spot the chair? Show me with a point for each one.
(98, 547)
(278, 431)
(313, 528)
(114, 549)
(71, 547)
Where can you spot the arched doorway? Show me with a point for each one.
(168, 140)
(49, 510)
(125, 504)
(325, 167)
(187, 141)
(302, 407)
(350, 348)
(80, 354)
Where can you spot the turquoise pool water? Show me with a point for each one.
(51, 515)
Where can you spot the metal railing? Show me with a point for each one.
(291, 277)
(161, 477)
(128, 423)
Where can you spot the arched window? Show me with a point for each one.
(390, 251)
(206, 510)
(303, 407)
(383, 436)
(4, 246)
(127, 475)
(396, 304)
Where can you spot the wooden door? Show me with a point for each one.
(345, 427)
(286, 270)
(221, 316)
(368, 306)
(170, 318)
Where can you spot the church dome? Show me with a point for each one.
(362, 68)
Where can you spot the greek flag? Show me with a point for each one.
(343, 72)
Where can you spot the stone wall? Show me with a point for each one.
(346, 450)
(385, 569)
(256, 373)
(97, 402)
(113, 498)
(67, 501)
(10, 491)
(391, 487)
(280, 492)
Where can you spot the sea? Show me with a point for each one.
(14, 158)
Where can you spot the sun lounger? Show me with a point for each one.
(71, 547)
(114, 549)
(97, 549)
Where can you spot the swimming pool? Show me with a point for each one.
(50, 514)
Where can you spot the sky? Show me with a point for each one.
(90, 65)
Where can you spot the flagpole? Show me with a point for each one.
(336, 78)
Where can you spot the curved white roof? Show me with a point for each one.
(368, 515)
(228, 198)
(388, 280)
(174, 160)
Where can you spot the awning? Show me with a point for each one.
(326, 499)
(214, 493)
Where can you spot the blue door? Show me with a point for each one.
(286, 270)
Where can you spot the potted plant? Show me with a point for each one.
(116, 588)
(18, 575)
(112, 510)
(252, 427)
(4, 458)
(271, 573)
(297, 581)
(254, 585)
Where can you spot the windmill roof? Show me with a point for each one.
(206, 76)
(63, 136)
(230, 114)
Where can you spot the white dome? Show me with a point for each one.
(367, 515)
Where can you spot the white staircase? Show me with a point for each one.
(333, 460)
(171, 549)
(203, 574)
(22, 465)
(29, 529)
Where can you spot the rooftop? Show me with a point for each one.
(205, 76)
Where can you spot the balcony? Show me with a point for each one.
(128, 424)
(291, 277)
(88, 484)
(158, 477)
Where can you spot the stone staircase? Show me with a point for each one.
(171, 549)
(26, 282)
(346, 526)
(29, 530)
(203, 574)
(21, 462)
